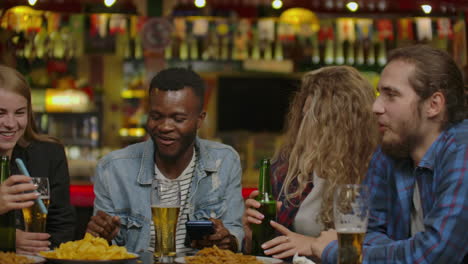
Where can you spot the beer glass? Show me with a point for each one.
(34, 218)
(165, 208)
(351, 213)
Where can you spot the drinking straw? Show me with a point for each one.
(23, 170)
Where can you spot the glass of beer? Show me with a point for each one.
(34, 218)
(165, 208)
(351, 213)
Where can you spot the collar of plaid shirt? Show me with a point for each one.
(287, 211)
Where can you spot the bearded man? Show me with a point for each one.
(418, 177)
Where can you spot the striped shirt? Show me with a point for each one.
(185, 180)
(442, 178)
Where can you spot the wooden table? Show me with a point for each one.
(147, 258)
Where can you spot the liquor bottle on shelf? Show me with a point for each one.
(94, 131)
(216, 46)
(205, 53)
(235, 52)
(278, 50)
(177, 48)
(371, 54)
(7, 220)
(315, 49)
(264, 232)
(255, 54)
(267, 53)
(360, 53)
(339, 59)
(193, 43)
(123, 46)
(305, 45)
(225, 48)
(278, 45)
(138, 48)
(329, 51)
(211, 47)
(382, 55)
(183, 49)
(168, 51)
(350, 53)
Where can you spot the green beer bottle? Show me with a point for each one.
(7, 220)
(263, 232)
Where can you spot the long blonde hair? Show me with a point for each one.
(12, 81)
(334, 135)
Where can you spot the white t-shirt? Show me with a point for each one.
(305, 222)
(185, 179)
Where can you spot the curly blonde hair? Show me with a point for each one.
(333, 135)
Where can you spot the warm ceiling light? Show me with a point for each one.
(427, 9)
(32, 2)
(277, 4)
(352, 6)
(200, 3)
(109, 3)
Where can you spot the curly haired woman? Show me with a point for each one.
(330, 136)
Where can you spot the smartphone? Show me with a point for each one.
(196, 230)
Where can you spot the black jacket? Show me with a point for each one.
(46, 159)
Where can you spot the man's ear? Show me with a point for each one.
(435, 105)
(201, 117)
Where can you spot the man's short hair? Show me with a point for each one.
(435, 70)
(174, 79)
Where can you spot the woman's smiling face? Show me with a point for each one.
(13, 120)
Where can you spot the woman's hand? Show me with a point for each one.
(31, 243)
(321, 242)
(288, 244)
(12, 196)
(251, 215)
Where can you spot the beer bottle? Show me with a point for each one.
(7, 220)
(264, 232)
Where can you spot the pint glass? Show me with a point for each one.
(34, 219)
(351, 212)
(165, 208)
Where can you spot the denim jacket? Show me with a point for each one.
(123, 188)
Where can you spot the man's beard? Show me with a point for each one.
(408, 137)
(397, 150)
(402, 148)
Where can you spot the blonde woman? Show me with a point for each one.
(330, 136)
(43, 157)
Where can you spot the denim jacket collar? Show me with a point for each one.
(207, 162)
(146, 171)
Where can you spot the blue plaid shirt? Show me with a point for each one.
(443, 183)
